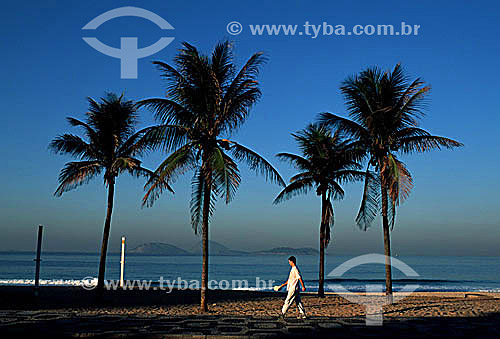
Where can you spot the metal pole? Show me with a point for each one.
(37, 260)
(122, 262)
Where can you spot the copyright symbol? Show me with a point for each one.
(89, 283)
(234, 28)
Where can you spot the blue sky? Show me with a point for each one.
(48, 71)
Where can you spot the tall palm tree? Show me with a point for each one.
(327, 161)
(111, 147)
(385, 109)
(207, 97)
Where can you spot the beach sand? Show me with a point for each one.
(426, 308)
(251, 303)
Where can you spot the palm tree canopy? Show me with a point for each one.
(207, 98)
(385, 109)
(328, 161)
(110, 144)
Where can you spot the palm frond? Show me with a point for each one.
(161, 183)
(197, 195)
(226, 174)
(164, 137)
(328, 223)
(348, 175)
(235, 97)
(411, 110)
(397, 179)
(248, 72)
(335, 190)
(89, 132)
(300, 186)
(416, 86)
(113, 118)
(424, 143)
(391, 212)
(176, 164)
(346, 126)
(198, 187)
(222, 65)
(75, 174)
(405, 132)
(74, 145)
(355, 90)
(176, 81)
(235, 111)
(301, 175)
(134, 145)
(167, 111)
(370, 202)
(295, 160)
(256, 163)
(124, 164)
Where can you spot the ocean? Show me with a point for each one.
(478, 274)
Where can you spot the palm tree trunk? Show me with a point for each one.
(321, 280)
(204, 268)
(387, 242)
(105, 238)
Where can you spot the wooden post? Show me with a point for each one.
(122, 262)
(37, 260)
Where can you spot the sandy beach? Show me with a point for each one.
(246, 303)
(476, 311)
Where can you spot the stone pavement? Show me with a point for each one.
(13, 323)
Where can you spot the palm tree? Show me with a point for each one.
(327, 162)
(111, 147)
(385, 109)
(206, 98)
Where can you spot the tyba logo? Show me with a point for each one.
(128, 53)
(373, 298)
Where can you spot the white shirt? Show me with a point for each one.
(293, 279)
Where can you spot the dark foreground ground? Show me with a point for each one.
(74, 312)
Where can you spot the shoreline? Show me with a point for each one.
(155, 285)
(437, 293)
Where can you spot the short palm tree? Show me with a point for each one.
(111, 147)
(328, 160)
(207, 97)
(385, 109)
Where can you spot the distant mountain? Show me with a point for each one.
(288, 251)
(215, 248)
(158, 248)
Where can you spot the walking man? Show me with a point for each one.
(292, 286)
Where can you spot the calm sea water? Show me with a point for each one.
(435, 273)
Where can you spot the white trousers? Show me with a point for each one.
(290, 298)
